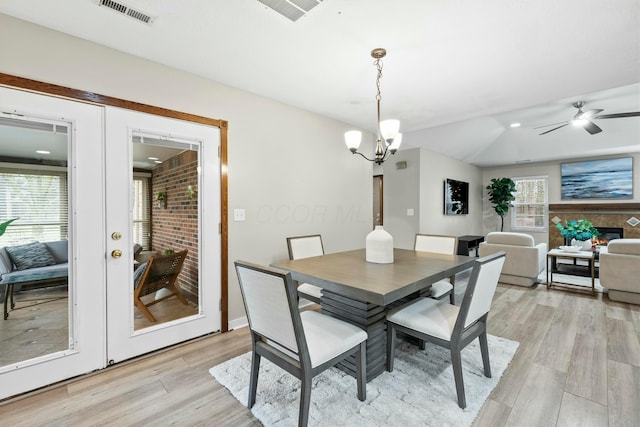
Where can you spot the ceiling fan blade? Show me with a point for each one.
(552, 124)
(551, 130)
(590, 113)
(617, 115)
(592, 128)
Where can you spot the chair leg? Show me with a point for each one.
(391, 346)
(361, 371)
(143, 308)
(452, 296)
(253, 379)
(484, 349)
(305, 399)
(456, 361)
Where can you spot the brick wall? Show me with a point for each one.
(175, 225)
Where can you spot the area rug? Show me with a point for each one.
(419, 392)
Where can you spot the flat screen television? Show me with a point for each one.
(456, 197)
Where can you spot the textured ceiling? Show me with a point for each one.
(457, 72)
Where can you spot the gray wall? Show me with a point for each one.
(491, 221)
(421, 187)
(289, 169)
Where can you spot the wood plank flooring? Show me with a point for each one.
(578, 364)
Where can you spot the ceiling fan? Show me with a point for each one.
(584, 119)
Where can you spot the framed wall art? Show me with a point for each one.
(456, 197)
(598, 179)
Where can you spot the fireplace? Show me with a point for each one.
(607, 234)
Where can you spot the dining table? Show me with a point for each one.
(362, 292)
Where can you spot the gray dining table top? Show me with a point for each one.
(349, 274)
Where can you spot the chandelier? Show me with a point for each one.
(388, 137)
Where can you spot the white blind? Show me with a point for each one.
(531, 207)
(141, 227)
(40, 199)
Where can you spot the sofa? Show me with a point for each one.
(34, 262)
(524, 259)
(620, 270)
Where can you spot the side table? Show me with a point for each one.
(552, 257)
(468, 242)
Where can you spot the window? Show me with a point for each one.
(531, 207)
(39, 199)
(141, 216)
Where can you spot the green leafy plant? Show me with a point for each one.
(500, 194)
(4, 225)
(579, 229)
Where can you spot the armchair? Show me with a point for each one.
(524, 259)
(620, 269)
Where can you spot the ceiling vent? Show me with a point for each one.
(126, 10)
(291, 9)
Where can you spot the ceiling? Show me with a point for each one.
(457, 72)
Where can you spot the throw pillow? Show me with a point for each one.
(31, 255)
(137, 275)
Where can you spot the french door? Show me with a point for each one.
(182, 202)
(112, 165)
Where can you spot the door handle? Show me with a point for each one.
(116, 253)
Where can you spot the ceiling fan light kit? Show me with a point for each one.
(584, 119)
(389, 136)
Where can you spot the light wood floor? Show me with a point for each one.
(578, 364)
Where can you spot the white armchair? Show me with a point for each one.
(620, 269)
(525, 260)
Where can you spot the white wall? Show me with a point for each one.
(288, 168)
(421, 187)
(491, 221)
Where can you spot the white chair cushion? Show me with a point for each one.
(311, 290)
(506, 238)
(328, 337)
(624, 246)
(436, 244)
(440, 288)
(429, 316)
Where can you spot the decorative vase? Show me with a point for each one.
(379, 246)
(585, 245)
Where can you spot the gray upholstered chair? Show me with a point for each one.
(447, 245)
(302, 343)
(448, 325)
(304, 247)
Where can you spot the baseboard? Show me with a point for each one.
(241, 322)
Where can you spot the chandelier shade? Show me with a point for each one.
(389, 138)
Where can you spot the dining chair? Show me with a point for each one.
(448, 325)
(302, 343)
(159, 272)
(441, 245)
(305, 247)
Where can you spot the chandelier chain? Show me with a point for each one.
(378, 64)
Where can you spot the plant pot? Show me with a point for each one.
(585, 245)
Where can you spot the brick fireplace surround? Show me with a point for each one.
(600, 215)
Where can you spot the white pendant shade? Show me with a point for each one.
(353, 138)
(396, 143)
(389, 128)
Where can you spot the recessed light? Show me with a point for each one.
(43, 152)
(153, 158)
(515, 125)
(157, 161)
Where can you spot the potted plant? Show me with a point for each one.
(500, 194)
(4, 225)
(579, 230)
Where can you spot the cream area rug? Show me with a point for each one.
(419, 392)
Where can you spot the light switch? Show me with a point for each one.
(238, 214)
(410, 212)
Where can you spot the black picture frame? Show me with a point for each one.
(456, 197)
